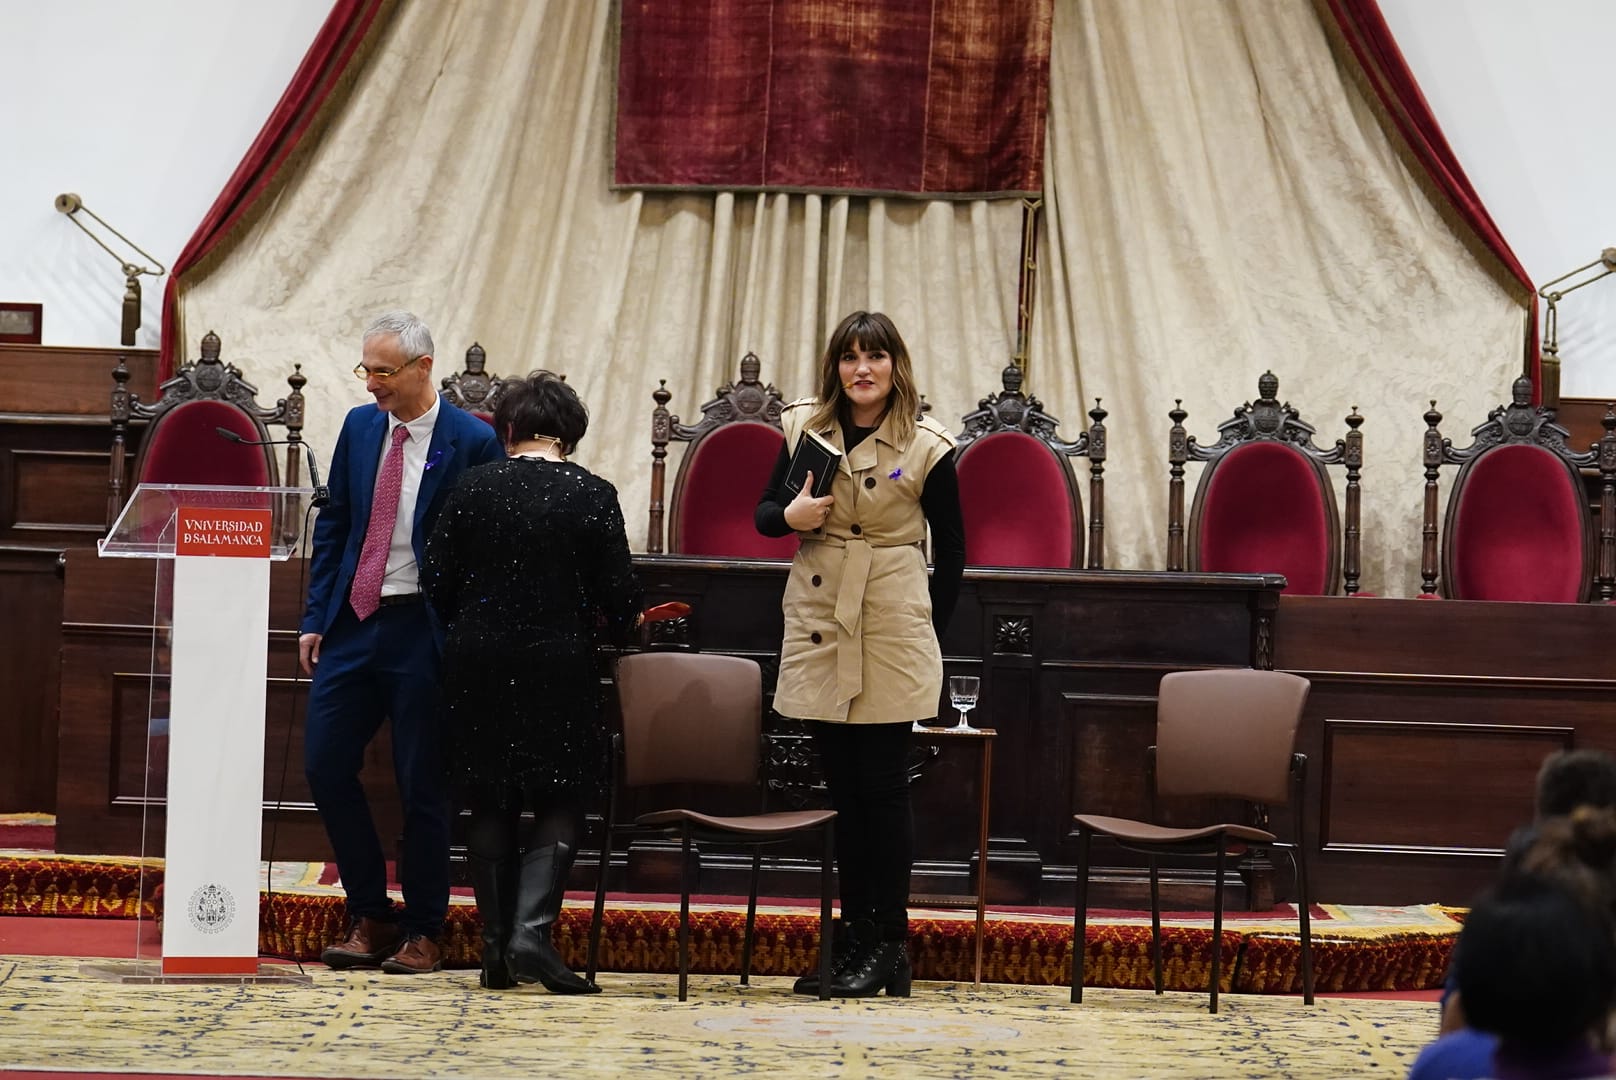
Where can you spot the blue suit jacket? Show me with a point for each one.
(459, 441)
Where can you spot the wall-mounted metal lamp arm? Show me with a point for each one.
(70, 204)
(1551, 318)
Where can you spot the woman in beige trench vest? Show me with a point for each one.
(860, 656)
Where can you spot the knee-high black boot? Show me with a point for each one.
(494, 883)
(532, 956)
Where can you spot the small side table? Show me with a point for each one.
(983, 738)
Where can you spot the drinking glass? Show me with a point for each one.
(962, 691)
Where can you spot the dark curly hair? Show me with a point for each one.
(541, 405)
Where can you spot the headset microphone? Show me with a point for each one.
(322, 494)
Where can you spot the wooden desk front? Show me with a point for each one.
(1425, 728)
(1069, 662)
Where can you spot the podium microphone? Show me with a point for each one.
(322, 494)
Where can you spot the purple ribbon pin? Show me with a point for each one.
(894, 474)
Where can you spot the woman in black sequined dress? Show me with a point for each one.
(528, 566)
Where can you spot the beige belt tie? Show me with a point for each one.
(850, 620)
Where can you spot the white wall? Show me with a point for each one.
(1523, 93)
(144, 110)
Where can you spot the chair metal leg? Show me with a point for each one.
(751, 917)
(827, 859)
(1303, 901)
(1080, 915)
(1155, 925)
(684, 914)
(1217, 922)
(596, 924)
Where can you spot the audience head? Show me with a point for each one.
(541, 406)
(1577, 852)
(396, 364)
(1538, 966)
(1573, 778)
(869, 330)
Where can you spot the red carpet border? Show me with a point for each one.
(1029, 952)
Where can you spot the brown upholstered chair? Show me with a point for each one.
(1227, 733)
(1518, 525)
(1017, 487)
(725, 468)
(693, 718)
(473, 389)
(1265, 503)
(182, 443)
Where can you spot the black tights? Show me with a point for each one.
(866, 767)
(496, 830)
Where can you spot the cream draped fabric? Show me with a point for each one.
(467, 181)
(1219, 200)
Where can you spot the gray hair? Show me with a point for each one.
(413, 336)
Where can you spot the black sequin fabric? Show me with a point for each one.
(528, 568)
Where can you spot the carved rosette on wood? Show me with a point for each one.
(1012, 634)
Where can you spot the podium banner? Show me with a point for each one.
(216, 739)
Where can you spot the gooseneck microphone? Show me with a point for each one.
(322, 494)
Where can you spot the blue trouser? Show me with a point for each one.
(385, 668)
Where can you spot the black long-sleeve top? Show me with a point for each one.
(939, 502)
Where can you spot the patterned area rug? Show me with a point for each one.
(366, 1025)
(1355, 948)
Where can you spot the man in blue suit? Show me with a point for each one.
(372, 643)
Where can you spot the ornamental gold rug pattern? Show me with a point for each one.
(366, 1024)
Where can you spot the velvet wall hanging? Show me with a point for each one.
(928, 98)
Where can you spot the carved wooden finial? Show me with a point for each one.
(1177, 415)
(1432, 417)
(476, 359)
(1098, 414)
(297, 379)
(662, 395)
(1354, 421)
(210, 348)
(1268, 386)
(1011, 377)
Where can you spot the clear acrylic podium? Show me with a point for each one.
(210, 548)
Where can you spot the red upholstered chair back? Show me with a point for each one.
(1519, 529)
(1020, 503)
(732, 451)
(1265, 504)
(1518, 525)
(182, 444)
(717, 489)
(1266, 508)
(1018, 493)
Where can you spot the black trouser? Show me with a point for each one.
(866, 767)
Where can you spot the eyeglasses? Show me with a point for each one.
(363, 373)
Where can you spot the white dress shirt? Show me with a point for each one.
(403, 576)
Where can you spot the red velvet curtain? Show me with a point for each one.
(1365, 31)
(344, 30)
(931, 98)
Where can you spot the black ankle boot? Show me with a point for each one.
(532, 957)
(847, 940)
(494, 883)
(885, 966)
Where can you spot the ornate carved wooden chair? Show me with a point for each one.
(725, 468)
(473, 389)
(183, 444)
(1017, 487)
(1265, 503)
(1518, 525)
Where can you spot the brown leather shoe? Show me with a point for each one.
(417, 956)
(369, 942)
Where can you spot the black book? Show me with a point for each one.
(814, 454)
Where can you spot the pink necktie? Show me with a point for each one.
(366, 592)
